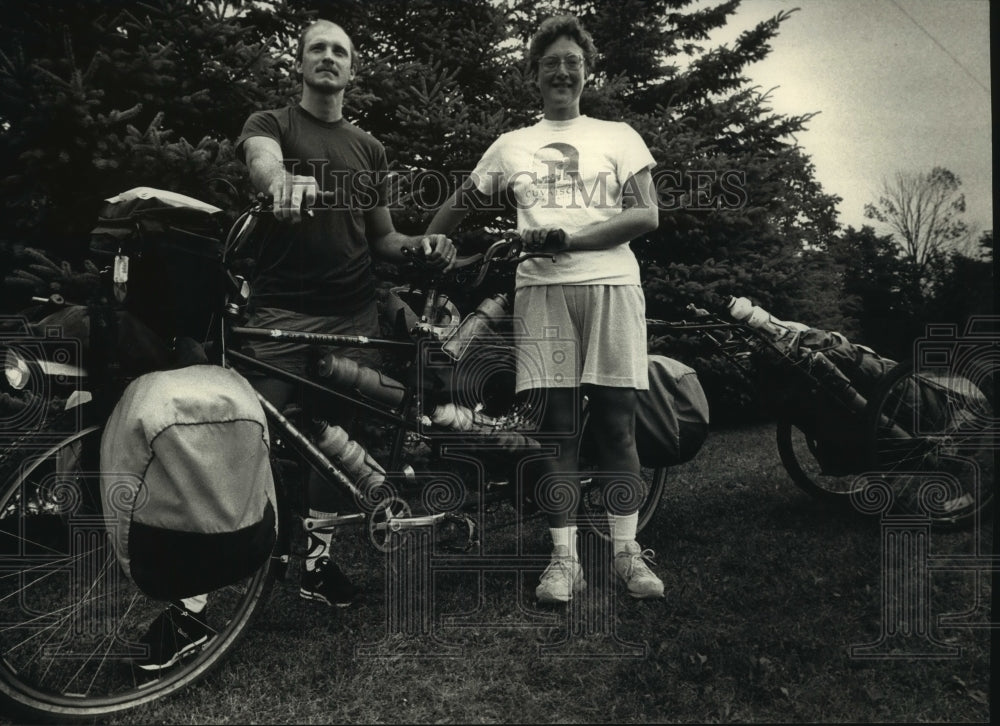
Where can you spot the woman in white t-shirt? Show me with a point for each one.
(583, 315)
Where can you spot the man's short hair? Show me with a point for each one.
(554, 28)
(300, 50)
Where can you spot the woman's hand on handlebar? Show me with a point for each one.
(545, 239)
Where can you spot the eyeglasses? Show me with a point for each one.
(551, 62)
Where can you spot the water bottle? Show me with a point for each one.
(461, 418)
(742, 310)
(453, 416)
(480, 321)
(369, 382)
(363, 470)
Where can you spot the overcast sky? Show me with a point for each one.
(901, 85)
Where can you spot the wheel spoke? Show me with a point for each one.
(952, 443)
(70, 619)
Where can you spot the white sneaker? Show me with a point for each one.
(635, 573)
(561, 578)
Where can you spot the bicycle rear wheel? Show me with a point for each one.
(601, 494)
(933, 436)
(596, 499)
(70, 620)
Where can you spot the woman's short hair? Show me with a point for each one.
(554, 28)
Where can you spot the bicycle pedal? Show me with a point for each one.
(280, 567)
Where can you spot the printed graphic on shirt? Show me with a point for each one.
(556, 171)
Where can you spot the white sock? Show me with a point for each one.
(195, 604)
(566, 537)
(319, 542)
(623, 529)
(572, 542)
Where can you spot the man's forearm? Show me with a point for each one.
(264, 170)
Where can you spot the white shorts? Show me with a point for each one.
(571, 335)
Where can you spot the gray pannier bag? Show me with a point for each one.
(186, 481)
(671, 418)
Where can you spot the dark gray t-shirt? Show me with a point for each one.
(322, 265)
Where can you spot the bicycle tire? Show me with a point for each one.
(796, 449)
(592, 512)
(593, 504)
(944, 468)
(67, 642)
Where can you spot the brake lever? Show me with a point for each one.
(513, 253)
(55, 299)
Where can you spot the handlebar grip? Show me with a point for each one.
(323, 200)
(556, 237)
(554, 241)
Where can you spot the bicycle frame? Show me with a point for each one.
(401, 418)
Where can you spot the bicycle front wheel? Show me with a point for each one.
(70, 620)
(798, 452)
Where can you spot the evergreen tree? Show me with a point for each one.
(966, 286)
(740, 204)
(880, 291)
(97, 98)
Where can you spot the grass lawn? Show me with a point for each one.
(767, 593)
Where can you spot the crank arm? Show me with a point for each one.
(310, 524)
(398, 524)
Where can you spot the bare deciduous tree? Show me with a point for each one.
(924, 209)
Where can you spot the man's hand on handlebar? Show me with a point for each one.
(545, 239)
(439, 251)
(432, 251)
(291, 194)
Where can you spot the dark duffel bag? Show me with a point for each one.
(672, 416)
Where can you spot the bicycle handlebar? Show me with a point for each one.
(508, 250)
(264, 202)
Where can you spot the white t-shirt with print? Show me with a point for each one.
(568, 175)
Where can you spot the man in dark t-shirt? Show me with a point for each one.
(315, 273)
(328, 180)
(321, 264)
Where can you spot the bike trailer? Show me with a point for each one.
(865, 368)
(671, 418)
(837, 435)
(166, 253)
(186, 481)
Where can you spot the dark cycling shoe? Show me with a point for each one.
(327, 584)
(175, 633)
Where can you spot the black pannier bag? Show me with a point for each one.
(186, 481)
(835, 431)
(671, 418)
(169, 248)
(865, 368)
(138, 349)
